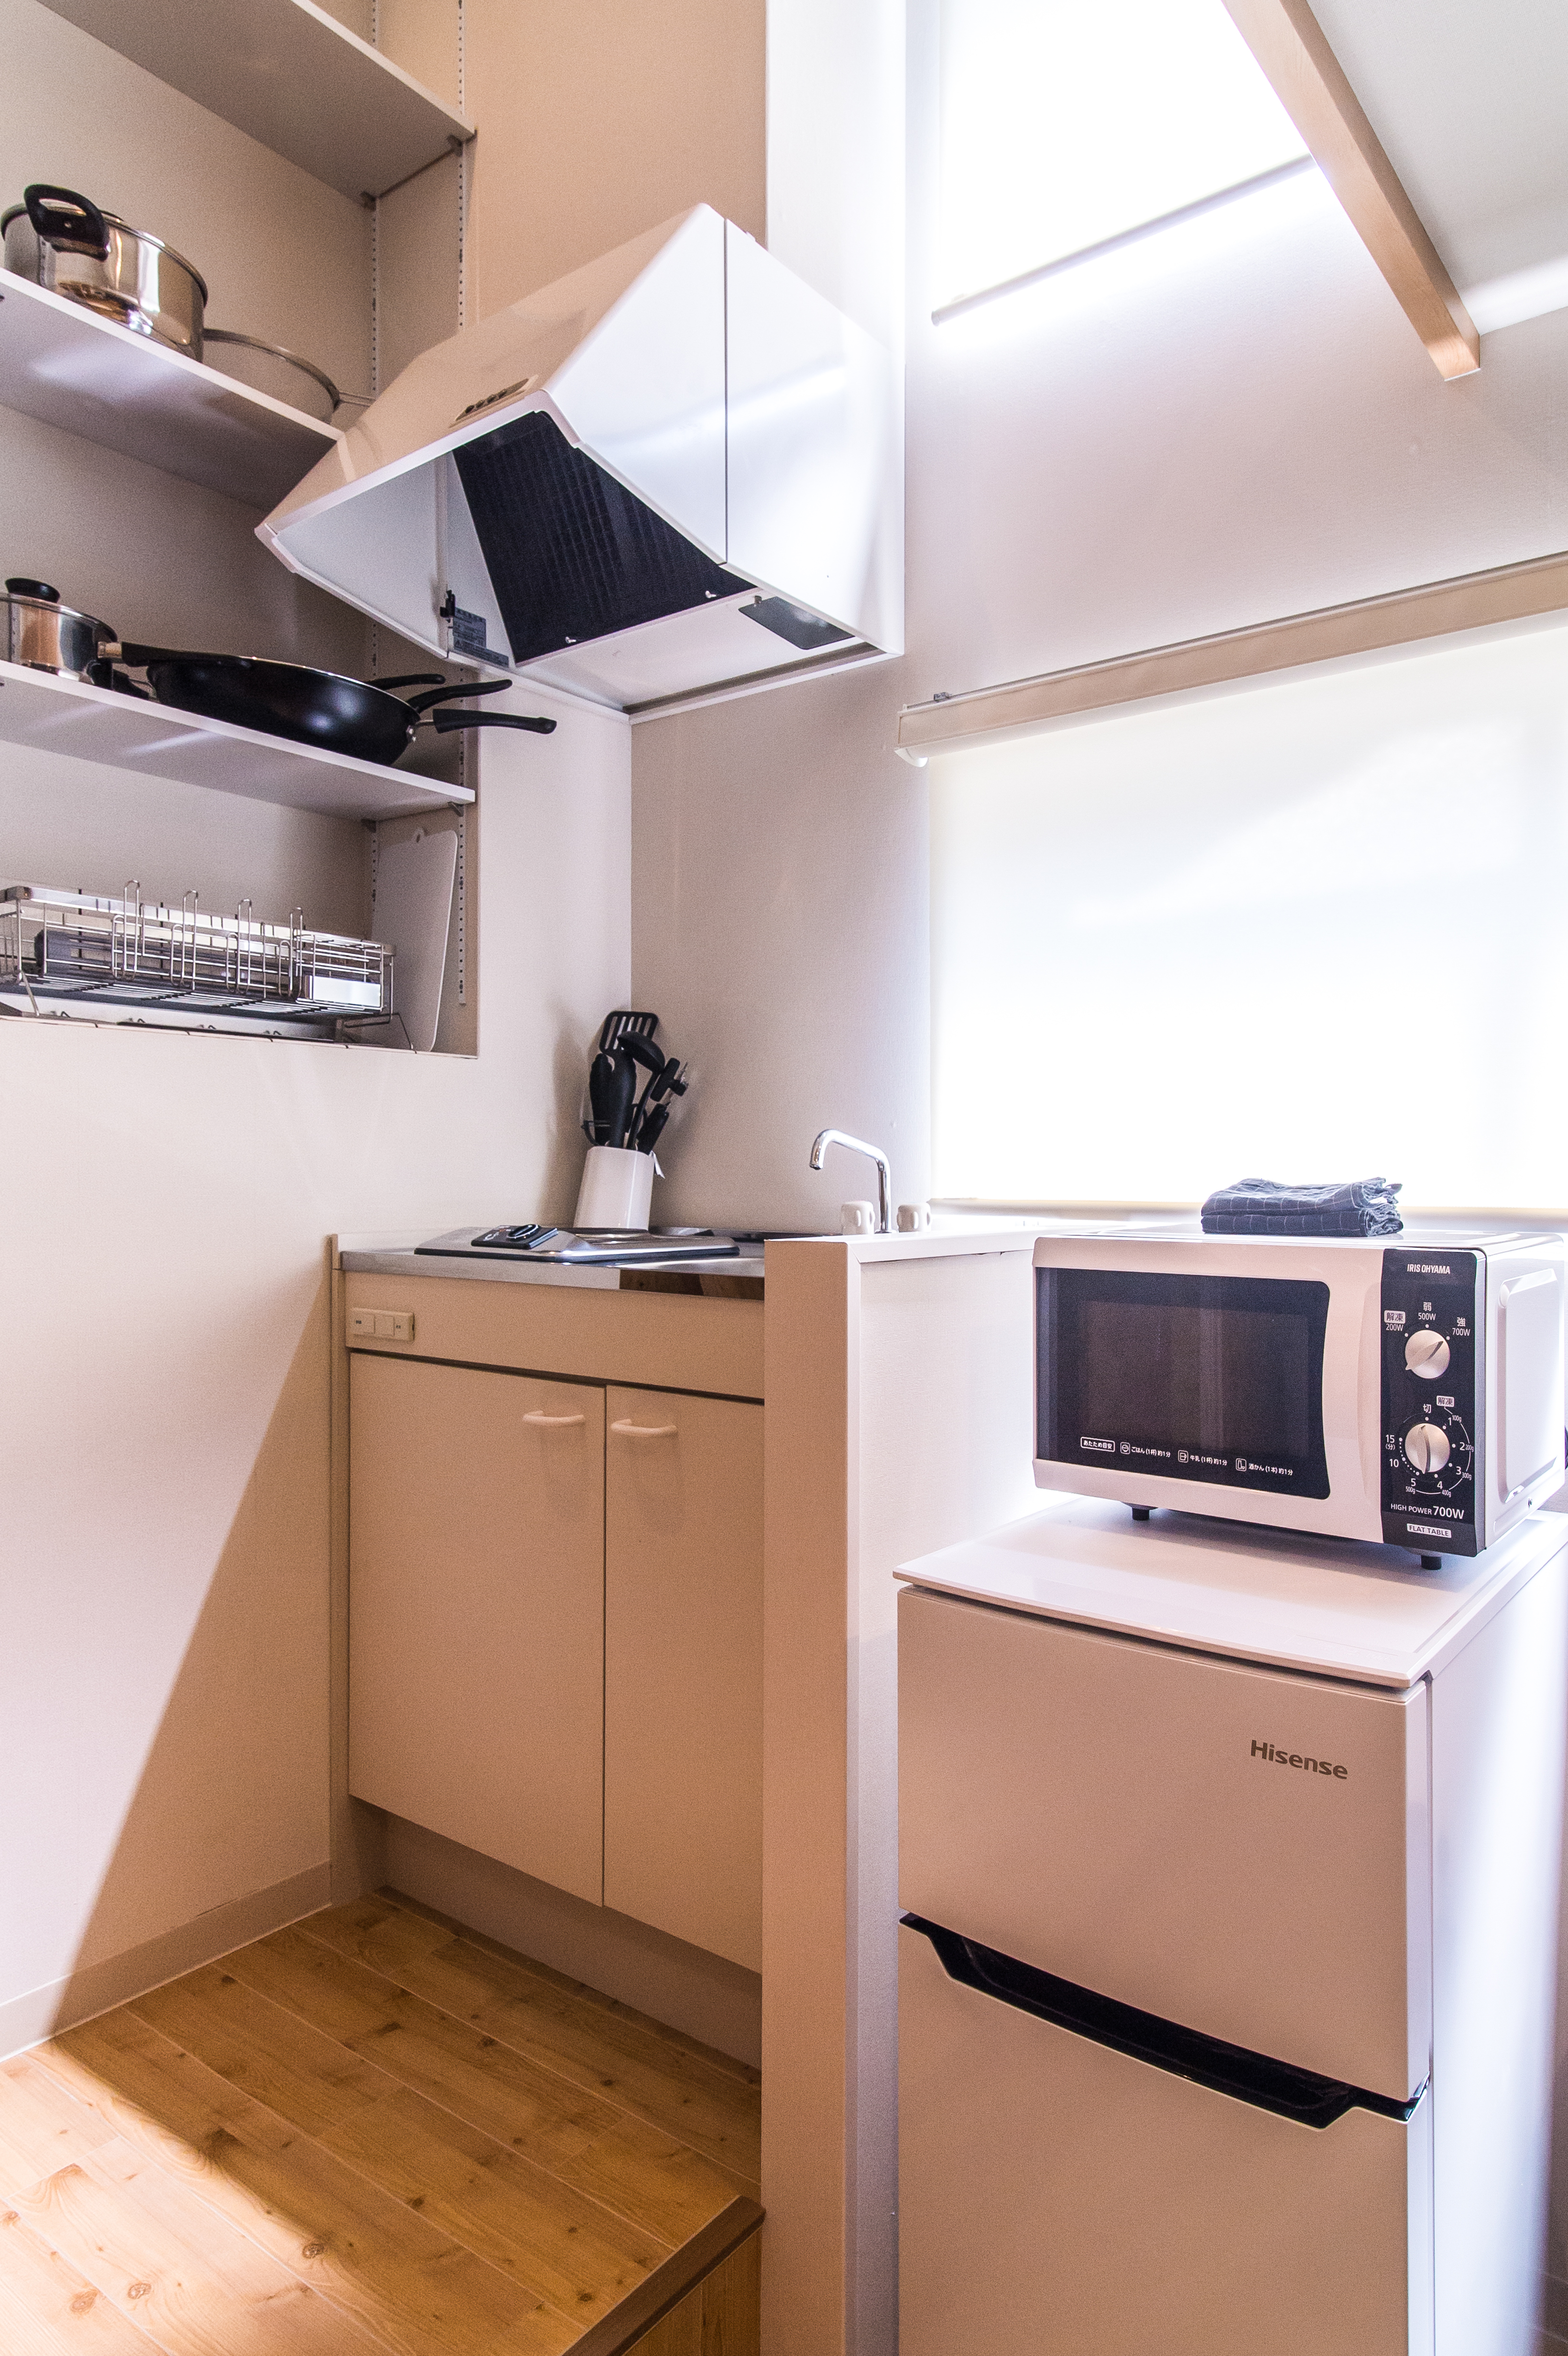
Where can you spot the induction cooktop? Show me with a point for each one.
(527, 1240)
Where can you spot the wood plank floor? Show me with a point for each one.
(377, 2131)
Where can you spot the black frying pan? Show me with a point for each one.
(312, 707)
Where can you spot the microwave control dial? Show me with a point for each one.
(1427, 1447)
(1427, 1352)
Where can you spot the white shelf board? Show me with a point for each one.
(61, 363)
(290, 75)
(150, 740)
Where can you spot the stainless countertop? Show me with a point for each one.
(707, 1277)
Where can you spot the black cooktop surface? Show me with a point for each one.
(528, 1240)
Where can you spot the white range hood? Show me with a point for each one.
(678, 469)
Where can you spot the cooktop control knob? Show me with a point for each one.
(1427, 1352)
(1427, 1447)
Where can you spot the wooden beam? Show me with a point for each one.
(1309, 81)
(1472, 601)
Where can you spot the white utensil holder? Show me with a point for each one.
(617, 1189)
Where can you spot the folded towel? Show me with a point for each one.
(1261, 1207)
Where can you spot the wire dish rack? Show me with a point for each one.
(128, 959)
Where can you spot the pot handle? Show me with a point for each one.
(446, 691)
(445, 722)
(127, 651)
(70, 223)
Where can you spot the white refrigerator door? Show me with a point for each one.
(1060, 2199)
(1236, 1849)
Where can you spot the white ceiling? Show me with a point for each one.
(1470, 99)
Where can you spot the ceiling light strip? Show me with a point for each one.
(1509, 593)
(1194, 212)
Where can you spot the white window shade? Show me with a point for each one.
(1307, 929)
(1063, 125)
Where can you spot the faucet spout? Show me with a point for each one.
(873, 1154)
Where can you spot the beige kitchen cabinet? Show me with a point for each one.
(476, 1627)
(683, 1667)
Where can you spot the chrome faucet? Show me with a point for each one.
(884, 1170)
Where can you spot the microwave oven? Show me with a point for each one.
(1408, 1390)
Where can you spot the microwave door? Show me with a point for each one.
(1197, 1379)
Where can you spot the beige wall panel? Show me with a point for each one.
(664, 1339)
(598, 119)
(476, 1611)
(359, 16)
(421, 36)
(683, 1668)
(419, 256)
(284, 257)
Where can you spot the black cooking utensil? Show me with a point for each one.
(622, 1092)
(669, 1082)
(601, 1074)
(642, 1051)
(641, 1048)
(354, 716)
(618, 1024)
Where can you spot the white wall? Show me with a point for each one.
(1229, 423)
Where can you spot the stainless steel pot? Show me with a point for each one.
(37, 630)
(62, 240)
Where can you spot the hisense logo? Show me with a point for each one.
(1295, 1758)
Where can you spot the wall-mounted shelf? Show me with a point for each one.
(150, 740)
(61, 363)
(290, 75)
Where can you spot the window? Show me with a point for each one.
(1063, 125)
(1307, 929)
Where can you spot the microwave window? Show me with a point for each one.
(1216, 1379)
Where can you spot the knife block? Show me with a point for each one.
(617, 1190)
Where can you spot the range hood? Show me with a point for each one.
(680, 469)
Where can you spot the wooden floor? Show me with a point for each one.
(377, 2131)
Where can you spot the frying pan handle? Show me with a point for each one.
(71, 224)
(445, 722)
(442, 693)
(408, 678)
(127, 651)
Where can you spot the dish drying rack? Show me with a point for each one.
(78, 953)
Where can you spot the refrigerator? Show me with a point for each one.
(1229, 1867)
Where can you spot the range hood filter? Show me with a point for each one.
(571, 554)
(618, 477)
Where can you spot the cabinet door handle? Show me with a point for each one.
(553, 1422)
(646, 1430)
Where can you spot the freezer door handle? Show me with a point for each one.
(1233, 2070)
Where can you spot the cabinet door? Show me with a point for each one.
(476, 1611)
(683, 1668)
